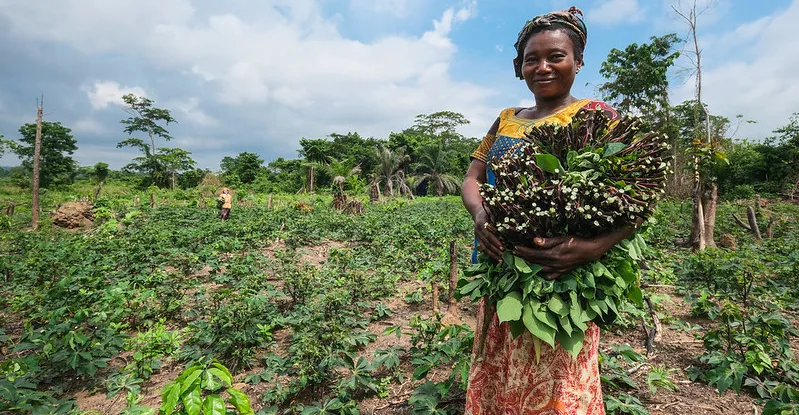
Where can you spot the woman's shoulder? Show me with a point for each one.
(596, 104)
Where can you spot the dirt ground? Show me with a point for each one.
(677, 350)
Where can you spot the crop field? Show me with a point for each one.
(300, 309)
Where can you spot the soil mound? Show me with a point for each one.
(74, 215)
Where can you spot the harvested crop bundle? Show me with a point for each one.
(587, 178)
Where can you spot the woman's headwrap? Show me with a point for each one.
(568, 18)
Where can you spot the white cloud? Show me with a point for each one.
(759, 81)
(396, 8)
(280, 68)
(104, 93)
(88, 125)
(189, 109)
(611, 12)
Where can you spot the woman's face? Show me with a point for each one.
(549, 64)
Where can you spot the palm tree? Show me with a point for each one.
(391, 169)
(430, 170)
(340, 171)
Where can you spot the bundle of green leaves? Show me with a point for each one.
(589, 177)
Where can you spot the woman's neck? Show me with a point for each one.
(548, 106)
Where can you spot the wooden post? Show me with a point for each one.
(269, 202)
(152, 199)
(452, 303)
(36, 152)
(435, 295)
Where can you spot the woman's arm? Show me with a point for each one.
(475, 176)
(561, 254)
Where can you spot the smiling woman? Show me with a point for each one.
(515, 375)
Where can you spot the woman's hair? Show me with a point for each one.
(566, 20)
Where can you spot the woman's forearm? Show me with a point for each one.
(609, 240)
(471, 188)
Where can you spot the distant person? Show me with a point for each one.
(227, 202)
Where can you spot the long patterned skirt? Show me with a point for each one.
(507, 381)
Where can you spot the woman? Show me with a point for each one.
(506, 379)
(227, 202)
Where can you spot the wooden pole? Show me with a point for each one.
(36, 152)
(269, 203)
(452, 303)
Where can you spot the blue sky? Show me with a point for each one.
(258, 75)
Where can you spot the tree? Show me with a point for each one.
(245, 166)
(174, 161)
(100, 171)
(638, 80)
(391, 169)
(56, 166)
(146, 118)
(705, 149)
(430, 170)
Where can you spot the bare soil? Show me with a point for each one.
(73, 215)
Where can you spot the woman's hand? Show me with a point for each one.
(488, 242)
(559, 255)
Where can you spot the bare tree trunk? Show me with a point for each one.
(753, 226)
(36, 153)
(98, 190)
(452, 303)
(310, 180)
(700, 220)
(710, 198)
(152, 199)
(697, 239)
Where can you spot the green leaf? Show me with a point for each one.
(213, 405)
(240, 401)
(536, 327)
(192, 400)
(516, 328)
(613, 148)
(510, 307)
(571, 343)
(209, 382)
(222, 376)
(170, 399)
(549, 163)
(565, 325)
(191, 380)
(636, 296)
(576, 312)
(540, 312)
(223, 369)
(557, 306)
(471, 286)
(521, 265)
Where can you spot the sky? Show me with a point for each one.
(259, 75)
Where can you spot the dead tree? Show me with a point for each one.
(36, 152)
(705, 192)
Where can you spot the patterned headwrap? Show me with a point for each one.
(567, 18)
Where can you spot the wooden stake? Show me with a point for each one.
(36, 153)
(269, 202)
(452, 303)
(435, 296)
